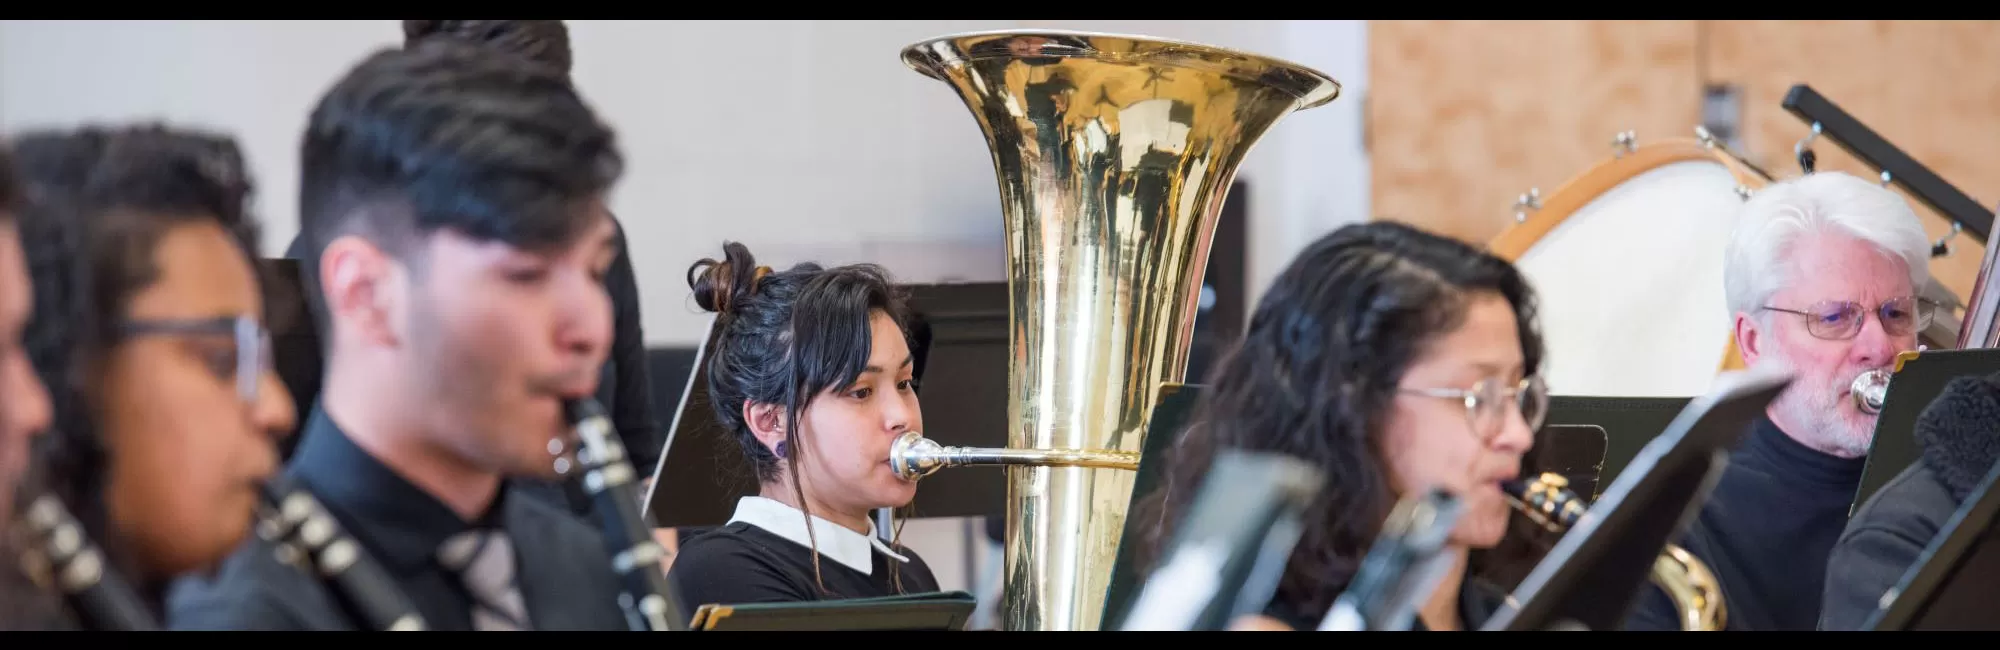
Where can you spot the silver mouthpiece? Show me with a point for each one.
(1870, 390)
(913, 457)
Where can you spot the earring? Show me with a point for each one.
(781, 449)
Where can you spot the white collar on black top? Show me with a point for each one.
(837, 542)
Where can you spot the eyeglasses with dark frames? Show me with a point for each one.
(252, 345)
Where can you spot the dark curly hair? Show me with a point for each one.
(1315, 375)
(443, 135)
(783, 338)
(97, 201)
(543, 41)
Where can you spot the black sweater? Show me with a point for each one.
(1766, 532)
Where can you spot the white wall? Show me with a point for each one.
(803, 139)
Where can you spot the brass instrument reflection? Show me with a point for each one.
(1113, 156)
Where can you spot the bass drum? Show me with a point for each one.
(1626, 261)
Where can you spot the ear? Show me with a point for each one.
(1749, 341)
(766, 421)
(361, 286)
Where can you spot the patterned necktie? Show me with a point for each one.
(484, 562)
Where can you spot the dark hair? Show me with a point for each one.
(445, 135)
(10, 191)
(783, 338)
(544, 41)
(1314, 377)
(98, 199)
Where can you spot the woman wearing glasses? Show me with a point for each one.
(1396, 361)
(148, 332)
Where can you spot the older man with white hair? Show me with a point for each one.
(1824, 275)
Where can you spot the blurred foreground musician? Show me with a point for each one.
(454, 201)
(1360, 359)
(1823, 274)
(1889, 533)
(24, 414)
(624, 387)
(148, 330)
(819, 452)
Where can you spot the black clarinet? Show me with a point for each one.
(308, 537)
(607, 476)
(60, 555)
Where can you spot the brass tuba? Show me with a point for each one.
(1114, 154)
(1547, 501)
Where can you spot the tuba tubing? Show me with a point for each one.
(1693, 588)
(309, 538)
(607, 476)
(63, 556)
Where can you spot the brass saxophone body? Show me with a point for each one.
(1697, 595)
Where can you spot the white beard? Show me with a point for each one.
(1821, 407)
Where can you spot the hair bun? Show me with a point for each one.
(720, 286)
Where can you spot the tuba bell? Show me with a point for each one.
(1113, 155)
(1547, 501)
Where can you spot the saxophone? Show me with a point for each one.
(1547, 501)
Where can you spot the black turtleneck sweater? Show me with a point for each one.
(1766, 532)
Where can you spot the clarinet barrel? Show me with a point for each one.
(60, 555)
(308, 537)
(607, 476)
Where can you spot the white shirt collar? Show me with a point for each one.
(836, 542)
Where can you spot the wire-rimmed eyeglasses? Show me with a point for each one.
(1839, 320)
(1486, 403)
(246, 361)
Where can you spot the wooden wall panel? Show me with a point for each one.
(1465, 116)
(1930, 87)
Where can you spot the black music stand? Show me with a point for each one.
(1956, 580)
(946, 611)
(1171, 414)
(1573, 451)
(1249, 510)
(1594, 573)
(1917, 380)
(1628, 422)
(961, 326)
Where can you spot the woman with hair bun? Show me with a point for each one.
(811, 373)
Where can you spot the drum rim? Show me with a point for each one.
(1581, 189)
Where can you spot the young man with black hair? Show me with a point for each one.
(625, 385)
(453, 202)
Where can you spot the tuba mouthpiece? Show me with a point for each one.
(1870, 390)
(913, 456)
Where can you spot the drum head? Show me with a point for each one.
(1630, 282)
